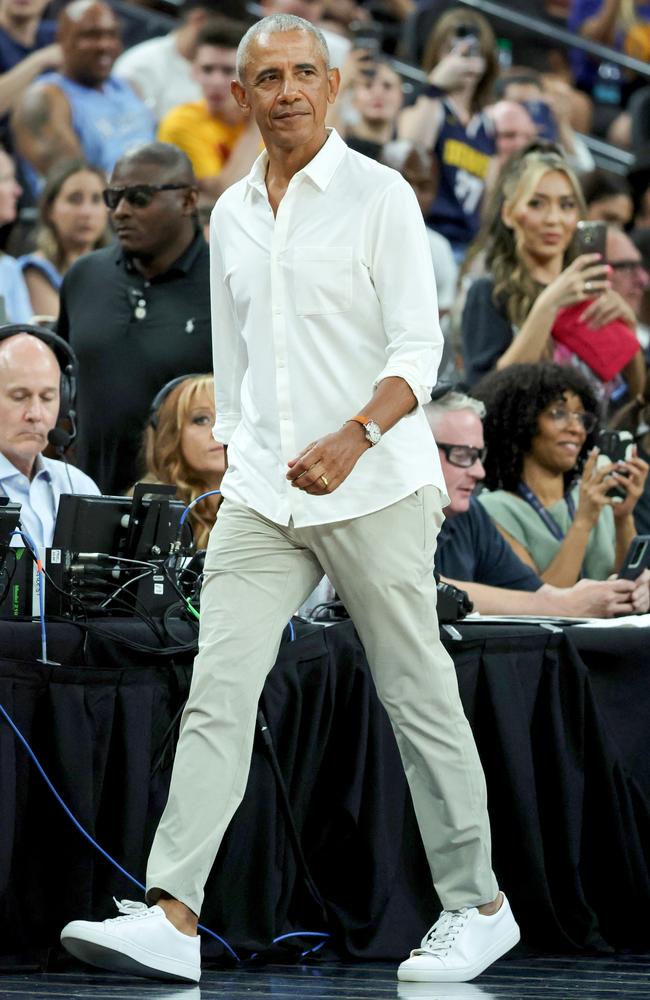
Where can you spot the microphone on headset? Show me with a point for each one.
(61, 439)
(58, 438)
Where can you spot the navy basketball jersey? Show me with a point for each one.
(463, 154)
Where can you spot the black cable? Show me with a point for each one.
(167, 617)
(169, 732)
(121, 640)
(292, 830)
(10, 576)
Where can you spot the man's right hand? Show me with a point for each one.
(607, 598)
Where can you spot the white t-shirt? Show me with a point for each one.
(159, 74)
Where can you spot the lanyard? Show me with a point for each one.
(527, 494)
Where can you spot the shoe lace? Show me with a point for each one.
(130, 909)
(444, 932)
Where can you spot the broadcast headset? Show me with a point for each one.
(63, 434)
(162, 394)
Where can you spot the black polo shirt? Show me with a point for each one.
(131, 336)
(471, 550)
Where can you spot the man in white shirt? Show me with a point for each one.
(326, 347)
(160, 69)
(29, 406)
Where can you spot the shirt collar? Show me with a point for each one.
(8, 469)
(320, 169)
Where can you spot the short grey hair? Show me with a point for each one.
(452, 402)
(273, 24)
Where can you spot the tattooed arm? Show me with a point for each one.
(42, 126)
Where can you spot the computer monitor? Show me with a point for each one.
(89, 528)
(91, 523)
(142, 527)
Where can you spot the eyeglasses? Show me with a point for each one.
(138, 195)
(627, 266)
(563, 418)
(462, 455)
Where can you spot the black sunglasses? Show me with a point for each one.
(138, 195)
(462, 455)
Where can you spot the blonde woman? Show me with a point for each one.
(179, 448)
(510, 313)
(73, 220)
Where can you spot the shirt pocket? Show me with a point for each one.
(323, 280)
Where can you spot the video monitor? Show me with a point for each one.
(91, 523)
(141, 527)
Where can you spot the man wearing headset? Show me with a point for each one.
(30, 377)
(326, 344)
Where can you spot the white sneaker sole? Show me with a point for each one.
(410, 973)
(127, 957)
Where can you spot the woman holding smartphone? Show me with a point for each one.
(550, 492)
(448, 118)
(533, 275)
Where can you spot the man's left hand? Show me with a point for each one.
(323, 465)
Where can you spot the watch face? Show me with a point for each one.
(373, 433)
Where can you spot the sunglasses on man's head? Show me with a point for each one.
(137, 195)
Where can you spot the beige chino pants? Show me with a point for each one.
(256, 574)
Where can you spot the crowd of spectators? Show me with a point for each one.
(112, 158)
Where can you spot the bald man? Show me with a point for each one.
(137, 313)
(83, 110)
(513, 128)
(29, 406)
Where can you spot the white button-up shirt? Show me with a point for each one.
(310, 310)
(40, 495)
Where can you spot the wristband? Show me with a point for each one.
(433, 91)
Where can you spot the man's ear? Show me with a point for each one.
(334, 81)
(238, 91)
(191, 201)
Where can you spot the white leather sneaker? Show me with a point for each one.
(142, 942)
(460, 945)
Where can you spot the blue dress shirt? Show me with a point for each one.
(40, 495)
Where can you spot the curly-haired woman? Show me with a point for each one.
(549, 495)
(510, 315)
(179, 448)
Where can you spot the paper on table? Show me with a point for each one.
(626, 621)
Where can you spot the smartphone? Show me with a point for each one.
(367, 35)
(615, 446)
(591, 237)
(465, 36)
(637, 558)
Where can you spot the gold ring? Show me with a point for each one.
(324, 481)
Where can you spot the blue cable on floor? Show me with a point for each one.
(85, 833)
(123, 871)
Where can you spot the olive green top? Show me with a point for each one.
(516, 516)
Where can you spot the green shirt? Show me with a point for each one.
(512, 513)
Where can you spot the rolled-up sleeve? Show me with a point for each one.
(403, 275)
(229, 353)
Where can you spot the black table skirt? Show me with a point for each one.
(562, 729)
